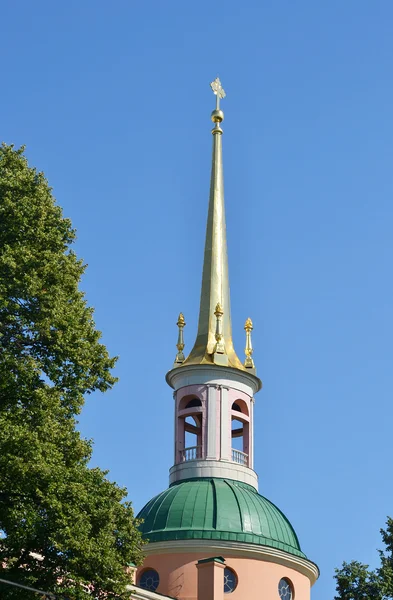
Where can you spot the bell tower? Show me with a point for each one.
(214, 389)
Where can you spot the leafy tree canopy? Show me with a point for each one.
(64, 525)
(355, 581)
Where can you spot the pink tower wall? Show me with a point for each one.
(257, 579)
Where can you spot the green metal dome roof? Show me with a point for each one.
(217, 509)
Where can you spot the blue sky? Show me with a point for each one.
(113, 102)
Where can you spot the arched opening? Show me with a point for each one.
(193, 403)
(240, 406)
(240, 432)
(192, 435)
(189, 402)
(237, 434)
(189, 429)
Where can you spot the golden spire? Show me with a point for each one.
(215, 323)
(248, 350)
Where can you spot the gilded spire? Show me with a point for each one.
(214, 343)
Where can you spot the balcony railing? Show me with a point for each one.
(240, 457)
(192, 453)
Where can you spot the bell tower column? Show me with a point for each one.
(213, 421)
(225, 447)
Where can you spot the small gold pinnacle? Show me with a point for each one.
(248, 363)
(180, 340)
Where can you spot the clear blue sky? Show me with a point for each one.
(113, 102)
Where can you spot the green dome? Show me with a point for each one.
(217, 509)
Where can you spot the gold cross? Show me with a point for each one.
(218, 91)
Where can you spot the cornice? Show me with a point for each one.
(236, 550)
(212, 374)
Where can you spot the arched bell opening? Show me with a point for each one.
(189, 402)
(189, 442)
(240, 433)
(240, 406)
(192, 437)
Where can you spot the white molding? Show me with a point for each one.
(223, 469)
(204, 374)
(236, 550)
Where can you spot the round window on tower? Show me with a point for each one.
(285, 589)
(230, 581)
(149, 580)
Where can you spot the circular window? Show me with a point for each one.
(230, 581)
(149, 580)
(285, 589)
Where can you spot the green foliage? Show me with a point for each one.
(355, 581)
(386, 556)
(66, 526)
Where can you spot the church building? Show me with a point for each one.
(211, 535)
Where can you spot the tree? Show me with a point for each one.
(355, 581)
(386, 556)
(64, 525)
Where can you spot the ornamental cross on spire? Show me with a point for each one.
(218, 91)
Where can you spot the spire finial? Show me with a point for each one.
(248, 363)
(180, 340)
(218, 90)
(217, 114)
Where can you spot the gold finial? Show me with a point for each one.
(248, 363)
(180, 340)
(217, 115)
(218, 314)
(218, 90)
(219, 355)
